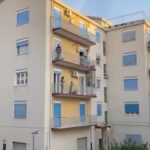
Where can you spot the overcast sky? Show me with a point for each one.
(109, 8)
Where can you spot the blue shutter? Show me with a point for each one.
(130, 84)
(22, 44)
(132, 108)
(20, 111)
(57, 114)
(82, 112)
(129, 60)
(99, 109)
(23, 18)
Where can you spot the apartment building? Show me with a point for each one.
(78, 106)
(51, 60)
(128, 83)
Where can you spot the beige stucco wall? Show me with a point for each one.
(116, 71)
(36, 93)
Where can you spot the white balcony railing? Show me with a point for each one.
(73, 90)
(68, 122)
(72, 28)
(74, 58)
(137, 16)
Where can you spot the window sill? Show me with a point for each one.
(21, 85)
(22, 54)
(20, 118)
(132, 115)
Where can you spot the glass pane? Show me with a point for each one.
(130, 84)
(23, 18)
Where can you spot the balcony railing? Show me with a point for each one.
(76, 62)
(73, 32)
(73, 91)
(132, 17)
(73, 122)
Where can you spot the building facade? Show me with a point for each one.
(52, 77)
(128, 82)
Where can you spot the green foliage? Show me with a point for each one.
(129, 145)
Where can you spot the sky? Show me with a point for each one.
(109, 8)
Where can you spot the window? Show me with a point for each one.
(21, 77)
(97, 36)
(22, 17)
(104, 48)
(98, 83)
(105, 94)
(135, 138)
(129, 59)
(128, 36)
(132, 108)
(98, 59)
(105, 71)
(57, 18)
(20, 110)
(22, 47)
(130, 84)
(99, 109)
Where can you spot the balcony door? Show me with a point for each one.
(57, 18)
(57, 81)
(57, 114)
(82, 85)
(82, 112)
(83, 57)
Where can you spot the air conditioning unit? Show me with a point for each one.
(75, 74)
(68, 12)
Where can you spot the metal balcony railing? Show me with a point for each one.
(60, 23)
(70, 122)
(73, 59)
(72, 91)
(132, 17)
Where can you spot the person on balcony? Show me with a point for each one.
(62, 84)
(58, 52)
(71, 88)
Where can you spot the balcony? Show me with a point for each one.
(73, 32)
(75, 62)
(63, 123)
(85, 92)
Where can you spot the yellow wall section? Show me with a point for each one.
(70, 49)
(71, 107)
(70, 53)
(75, 18)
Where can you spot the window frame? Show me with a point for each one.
(128, 40)
(132, 103)
(98, 86)
(129, 54)
(19, 103)
(98, 40)
(28, 17)
(98, 55)
(27, 45)
(97, 111)
(129, 89)
(16, 79)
